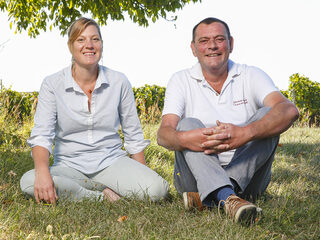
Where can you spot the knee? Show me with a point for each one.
(26, 182)
(187, 124)
(260, 113)
(158, 190)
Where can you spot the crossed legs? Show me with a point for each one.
(248, 173)
(126, 177)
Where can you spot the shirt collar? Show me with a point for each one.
(71, 84)
(233, 72)
(196, 72)
(102, 77)
(68, 83)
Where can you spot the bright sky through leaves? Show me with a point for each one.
(280, 37)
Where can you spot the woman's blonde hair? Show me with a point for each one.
(77, 27)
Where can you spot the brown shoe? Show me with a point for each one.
(192, 201)
(240, 210)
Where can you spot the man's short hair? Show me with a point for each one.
(208, 21)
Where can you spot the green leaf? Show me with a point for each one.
(32, 15)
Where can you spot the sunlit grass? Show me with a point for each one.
(291, 205)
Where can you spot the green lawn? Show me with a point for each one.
(291, 205)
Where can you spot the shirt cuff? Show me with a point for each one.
(136, 147)
(40, 141)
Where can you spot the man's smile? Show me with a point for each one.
(213, 55)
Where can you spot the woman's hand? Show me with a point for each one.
(44, 189)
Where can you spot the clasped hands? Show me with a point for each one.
(221, 138)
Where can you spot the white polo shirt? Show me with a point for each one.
(188, 94)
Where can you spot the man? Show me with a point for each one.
(223, 120)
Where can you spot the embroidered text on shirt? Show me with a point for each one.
(239, 102)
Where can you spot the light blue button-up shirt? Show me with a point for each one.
(84, 140)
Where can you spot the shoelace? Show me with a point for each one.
(230, 203)
(220, 206)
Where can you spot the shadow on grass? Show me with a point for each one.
(302, 161)
(299, 149)
(286, 212)
(18, 162)
(280, 175)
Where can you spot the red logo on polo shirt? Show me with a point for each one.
(240, 102)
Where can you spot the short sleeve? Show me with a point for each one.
(174, 102)
(260, 84)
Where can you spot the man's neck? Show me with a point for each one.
(216, 79)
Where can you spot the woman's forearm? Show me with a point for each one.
(139, 157)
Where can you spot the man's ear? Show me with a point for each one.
(231, 44)
(193, 48)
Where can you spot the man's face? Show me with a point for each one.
(212, 47)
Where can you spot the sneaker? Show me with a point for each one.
(192, 201)
(241, 210)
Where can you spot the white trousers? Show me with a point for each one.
(126, 177)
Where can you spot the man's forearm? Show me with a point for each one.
(275, 122)
(169, 138)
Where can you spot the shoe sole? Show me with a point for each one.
(246, 214)
(185, 201)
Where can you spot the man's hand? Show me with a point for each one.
(207, 140)
(44, 189)
(225, 137)
(210, 140)
(193, 140)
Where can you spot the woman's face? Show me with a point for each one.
(87, 48)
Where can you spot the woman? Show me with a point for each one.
(80, 108)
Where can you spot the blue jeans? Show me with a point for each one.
(126, 177)
(249, 168)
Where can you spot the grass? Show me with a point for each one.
(291, 205)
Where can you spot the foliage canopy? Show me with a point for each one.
(306, 95)
(35, 15)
